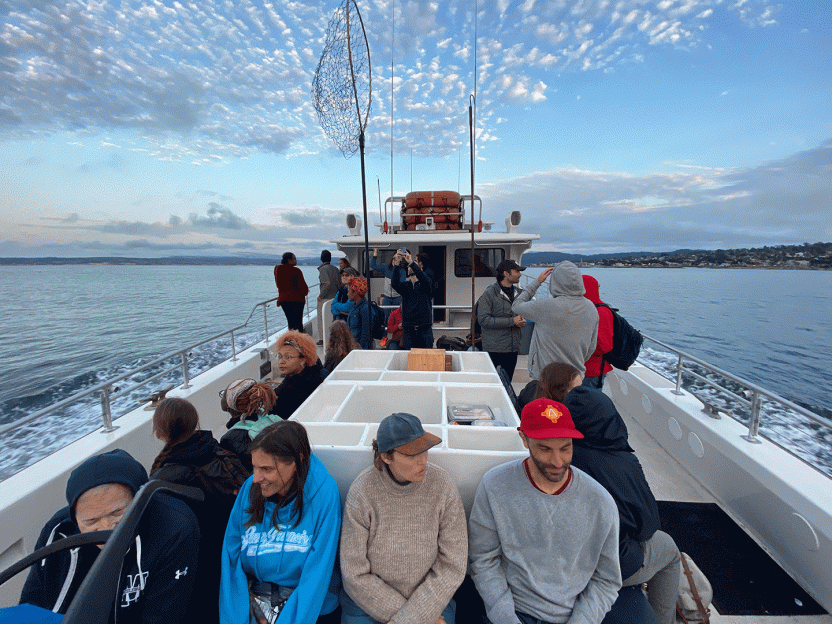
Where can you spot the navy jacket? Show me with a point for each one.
(416, 297)
(605, 454)
(159, 570)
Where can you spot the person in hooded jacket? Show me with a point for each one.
(596, 367)
(360, 320)
(566, 325)
(647, 555)
(282, 536)
(159, 571)
(193, 457)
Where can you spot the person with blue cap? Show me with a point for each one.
(404, 541)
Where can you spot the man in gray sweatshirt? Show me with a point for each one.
(543, 536)
(566, 324)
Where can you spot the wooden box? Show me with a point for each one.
(426, 360)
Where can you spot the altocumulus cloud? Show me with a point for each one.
(231, 78)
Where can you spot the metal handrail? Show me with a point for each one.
(108, 389)
(757, 392)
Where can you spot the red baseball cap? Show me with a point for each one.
(544, 418)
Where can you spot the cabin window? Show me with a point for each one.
(485, 261)
(382, 261)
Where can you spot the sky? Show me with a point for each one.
(153, 128)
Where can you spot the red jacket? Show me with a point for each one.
(593, 364)
(394, 324)
(290, 284)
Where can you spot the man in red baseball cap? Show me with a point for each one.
(543, 536)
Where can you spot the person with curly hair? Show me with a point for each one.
(250, 404)
(341, 342)
(360, 318)
(297, 360)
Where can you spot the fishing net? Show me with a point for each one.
(342, 87)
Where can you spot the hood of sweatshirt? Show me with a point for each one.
(566, 280)
(592, 289)
(117, 466)
(596, 417)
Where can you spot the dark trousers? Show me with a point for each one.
(294, 314)
(507, 360)
(417, 337)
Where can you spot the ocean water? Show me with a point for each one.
(68, 328)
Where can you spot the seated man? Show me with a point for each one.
(543, 537)
(158, 571)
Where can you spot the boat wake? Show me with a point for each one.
(31, 442)
(787, 428)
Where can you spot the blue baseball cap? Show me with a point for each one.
(404, 433)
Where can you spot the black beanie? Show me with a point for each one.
(117, 466)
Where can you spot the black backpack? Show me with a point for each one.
(626, 341)
(379, 328)
(221, 478)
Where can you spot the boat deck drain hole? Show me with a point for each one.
(675, 429)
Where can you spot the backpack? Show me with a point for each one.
(379, 327)
(695, 593)
(626, 341)
(451, 343)
(221, 478)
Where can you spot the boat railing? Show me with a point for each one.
(462, 308)
(109, 391)
(751, 398)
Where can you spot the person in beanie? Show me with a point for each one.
(543, 536)
(159, 570)
(404, 543)
(500, 326)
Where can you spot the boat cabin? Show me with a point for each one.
(435, 223)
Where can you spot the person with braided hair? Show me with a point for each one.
(249, 404)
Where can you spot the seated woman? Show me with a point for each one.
(404, 542)
(282, 536)
(342, 305)
(192, 457)
(647, 555)
(297, 360)
(340, 343)
(249, 404)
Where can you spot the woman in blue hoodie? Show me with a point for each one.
(282, 536)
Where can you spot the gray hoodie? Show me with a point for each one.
(566, 325)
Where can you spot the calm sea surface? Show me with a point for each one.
(66, 328)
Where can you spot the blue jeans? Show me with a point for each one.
(631, 607)
(351, 613)
(594, 382)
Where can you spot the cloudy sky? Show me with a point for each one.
(167, 127)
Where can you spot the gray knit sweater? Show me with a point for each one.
(403, 548)
(565, 326)
(554, 557)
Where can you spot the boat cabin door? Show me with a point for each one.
(436, 262)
